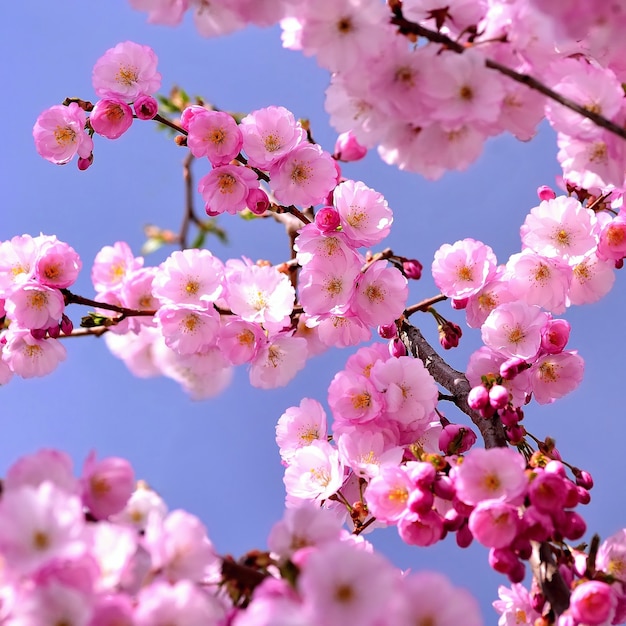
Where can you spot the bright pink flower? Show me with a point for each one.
(555, 335)
(354, 398)
(460, 270)
(107, 485)
(32, 306)
(612, 243)
(126, 71)
(188, 328)
(189, 277)
(380, 295)
(387, 494)
(17, 262)
(278, 361)
(269, 134)
(327, 219)
(146, 107)
(365, 216)
(560, 228)
(494, 523)
(343, 330)
(348, 148)
(299, 426)
(260, 294)
(304, 177)
(239, 341)
(420, 529)
(226, 188)
(612, 555)
(366, 451)
(111, 118)
(214, 134)
(112, 265)
(29, 357)
(514, 329)
(515, 606)
(593, 602)
(592, 279)
(59, 134)
(57, 264)
(313, 244)
(555, 375)
(491, 474)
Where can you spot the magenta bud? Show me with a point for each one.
(537, 601)
(512, 367)
(397, 348)
(458, 304)
(146, 107)
(85, 162)
(487, 412)
(327, 219)
(257, 201)
(502, 560)
(388, 331)
(54, 331)
(38, 333)
(420, 501)
(517, 573)
(584, 497)
(456, 439)
(523, 548)
(478, 398)
(556, 467)
(111, 118)
(583, 478)
(555, 335)
(619, 264)
(461, 507)
(498, 397)
(509, 416)
(515, 434)
(449, 335)
(452, 521)
(545, 193)
(444, 488)
(464, 536)
(412, 268)
(422, 474)
(67, 326)
(347, 148)
(575, 526)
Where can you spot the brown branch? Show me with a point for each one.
(72, 298)
(407, 27)
(455, 382)
(86, 332)
(546, 573)
(189, 215)
(424, 305)
(166, 122)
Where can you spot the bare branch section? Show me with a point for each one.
(411, 28)
(455, 382)
(546, 573)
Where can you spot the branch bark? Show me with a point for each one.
(454, 381)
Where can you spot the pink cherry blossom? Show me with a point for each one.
(32, 305)
(460, 270)
(304, 177)
(278, 361)
(59, 134)
(214, 134)
(514, 604)
(57, 264)
(592, 279)
(112, 265)
(169, 12)
(111, 118)
(388, 494)
(490, 474)
(45, 465)
(365, 216)
(494, 523)
(225, 189)
(29, 357)
(126, 71)
(239, 341)
(593, 602)
(146, 107)
(299, 426)
(348, 148)
(354, 398)
(556, 375)
(188, 328)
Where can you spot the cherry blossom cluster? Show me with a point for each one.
(125, 75)
(430, 108)
(34, 271)
(100, 549)
(569, 255)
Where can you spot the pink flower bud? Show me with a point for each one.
(556, 467)
(67, 326)
(397, 348)
(420, 501)
(388, 331)
(575, 526)
(478, 398)
(593, 602)
(584, 497)
(515, 434)
(583, 478)
(189, 113)
(39, 333)
(512, 367)
(257, 201)
(327, 219)
(498, 397)
(464, 537)
(146, 107)
(456, 439)
(555, 335)
(85, 163)
(517, 574)
(548, 492)
(111, 118)
(449, 335)
(509, 416)
(502, 560)
(347, 148)
(458, 304)
(107, 485)
(422, 474)
(545, 193)
(54, 331)
(443, 488)
(412, 268)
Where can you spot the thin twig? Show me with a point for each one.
(72, 298)
(424, 305)
(407, 27)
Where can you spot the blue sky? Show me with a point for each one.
(217, 458)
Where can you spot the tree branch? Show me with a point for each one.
(455, 382)
(407, 27)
